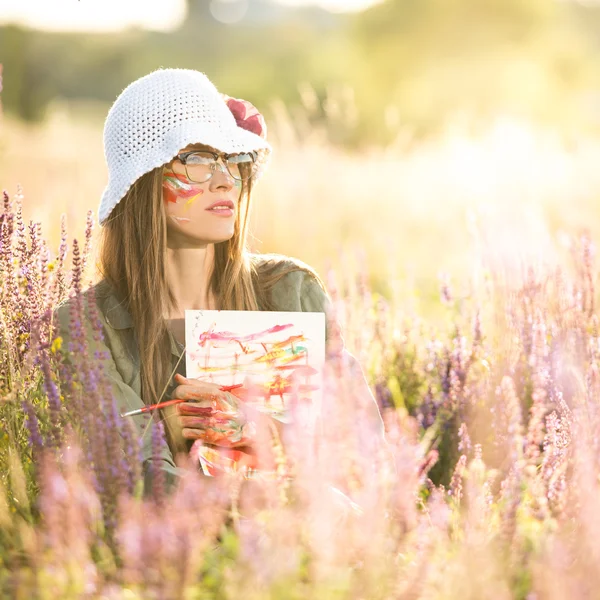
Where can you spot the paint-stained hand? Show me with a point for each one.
(212, 415)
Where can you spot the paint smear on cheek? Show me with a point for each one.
(177, 186)
(193, 199)
(180, 219)
(169, 193)
(178, 182)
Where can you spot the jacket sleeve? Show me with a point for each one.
(126, 398)
(314, 299)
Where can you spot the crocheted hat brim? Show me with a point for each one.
(175, 140)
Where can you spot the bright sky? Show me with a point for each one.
(93, 15)
(334, 5)
(112, 15)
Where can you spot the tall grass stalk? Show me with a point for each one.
(493, 422)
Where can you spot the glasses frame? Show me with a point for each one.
(183, 156)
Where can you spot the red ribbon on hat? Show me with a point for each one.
(247, 116)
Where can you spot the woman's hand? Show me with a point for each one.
(212, 415)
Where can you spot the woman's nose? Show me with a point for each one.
(221, 177)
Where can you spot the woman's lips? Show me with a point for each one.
(221, 212)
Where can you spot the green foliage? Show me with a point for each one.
(419, 61)
(406, 380)
(432, 59)
(218, 561)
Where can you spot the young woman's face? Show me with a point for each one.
(190, 218)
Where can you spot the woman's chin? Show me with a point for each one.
(184, 230)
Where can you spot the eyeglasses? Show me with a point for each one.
(200, 166)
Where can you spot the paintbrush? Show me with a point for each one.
(140, 411)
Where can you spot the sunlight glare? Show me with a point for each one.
(334, 5)
(108, 15)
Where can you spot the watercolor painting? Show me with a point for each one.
(278, 358)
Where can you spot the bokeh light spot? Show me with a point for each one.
(229, 11)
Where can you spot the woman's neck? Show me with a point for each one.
(188, 275)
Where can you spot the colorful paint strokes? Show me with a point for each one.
(275, 358)
(177, 186)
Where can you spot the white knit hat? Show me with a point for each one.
(159, 114)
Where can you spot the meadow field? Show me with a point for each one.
(462, 271)
(415, 210)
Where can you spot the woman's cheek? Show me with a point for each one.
(169, 194)
(171, 199)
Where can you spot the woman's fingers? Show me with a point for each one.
(209, 437)
(217, 421)
(210, 415)
(229, 438)
(197, 393)
(204, 392)
(218, 428)
(195, 408)
(194, 422)
(192, 434)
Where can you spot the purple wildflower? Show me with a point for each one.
(384, 396)
(464, 445)
(32, 424)
(60, 283)
(158, 475)
(89, 228)
(455, 490)
(445, 291)
(53, 396)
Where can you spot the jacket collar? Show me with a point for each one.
(118, 317)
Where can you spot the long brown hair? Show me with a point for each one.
(132, 255)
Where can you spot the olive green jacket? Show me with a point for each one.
(296, 291)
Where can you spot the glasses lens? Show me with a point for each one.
(199, 166)
(241, 166)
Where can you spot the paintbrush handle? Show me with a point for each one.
(140, 411)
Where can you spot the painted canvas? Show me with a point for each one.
(277, 358)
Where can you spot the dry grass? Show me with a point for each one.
(413, 211)
(513, 388)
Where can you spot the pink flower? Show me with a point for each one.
(247, 116)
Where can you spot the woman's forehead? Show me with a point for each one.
(190, 147)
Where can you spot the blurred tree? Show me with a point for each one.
(424, 61)
(27, 84)
(434, 58)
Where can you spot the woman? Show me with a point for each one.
(182, 161)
